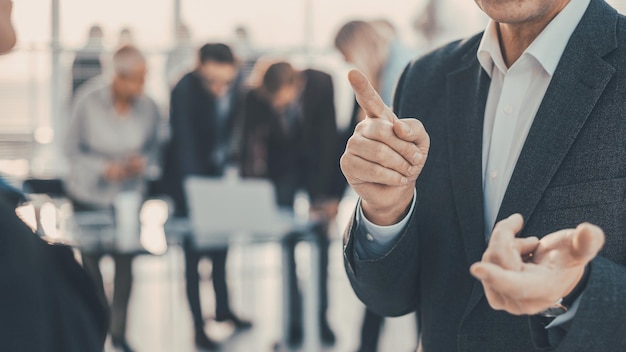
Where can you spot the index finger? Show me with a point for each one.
(368, 98)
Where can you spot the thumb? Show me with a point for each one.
(587, 241)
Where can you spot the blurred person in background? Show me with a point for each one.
(427, 23)
(7, 33)
(112, 146)
(87, 63)
(181, 58)
(47, 302)
(373, 48)
(126, 37)
(245, 51)
(203, 110)
(385, 28)
(289, 136)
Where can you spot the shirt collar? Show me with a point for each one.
(547, 48)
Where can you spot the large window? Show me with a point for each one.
(35, 108)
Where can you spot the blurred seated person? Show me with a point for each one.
(47, 302)
(203, 109)
(289, 137)
(111, 145)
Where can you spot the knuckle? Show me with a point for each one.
(342, 160)
(378, 130)
(352, 143)
(364, 127)
(361, 126)
(381, 152)
(408, 150)
(417, 124)
(376, 173)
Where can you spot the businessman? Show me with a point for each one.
(479, 215)
(203, 110)
(288, 137)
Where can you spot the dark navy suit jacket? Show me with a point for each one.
(47, 301)
(194, 136)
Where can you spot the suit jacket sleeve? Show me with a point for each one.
(254, 137)
(598, 324)
(181, 122)
(386, 285)
(87, 168)
(326, 141)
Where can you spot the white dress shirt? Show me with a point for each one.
(514, 98)
(515, 95)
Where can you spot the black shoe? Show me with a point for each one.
(122, 345)
(239, 324)
(204, 342)
(327, 335)
(295, 336)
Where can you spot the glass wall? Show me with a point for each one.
(302, 27)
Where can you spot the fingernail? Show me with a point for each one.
(411, 170)
(416, 157)
(404, 181)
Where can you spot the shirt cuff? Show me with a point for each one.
(567, 316)
(373, 241)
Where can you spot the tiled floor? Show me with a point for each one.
(159, 318)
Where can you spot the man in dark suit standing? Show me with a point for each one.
(47, 302)
(525, 129)
(289, 136)
(203, 110)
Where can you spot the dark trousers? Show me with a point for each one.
(286, 188)
(370, 331)
(295, 298)
(122, 285)
(192, 277)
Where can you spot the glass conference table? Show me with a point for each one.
(97, 232)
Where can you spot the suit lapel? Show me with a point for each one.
(466, 112)
(577, 84)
